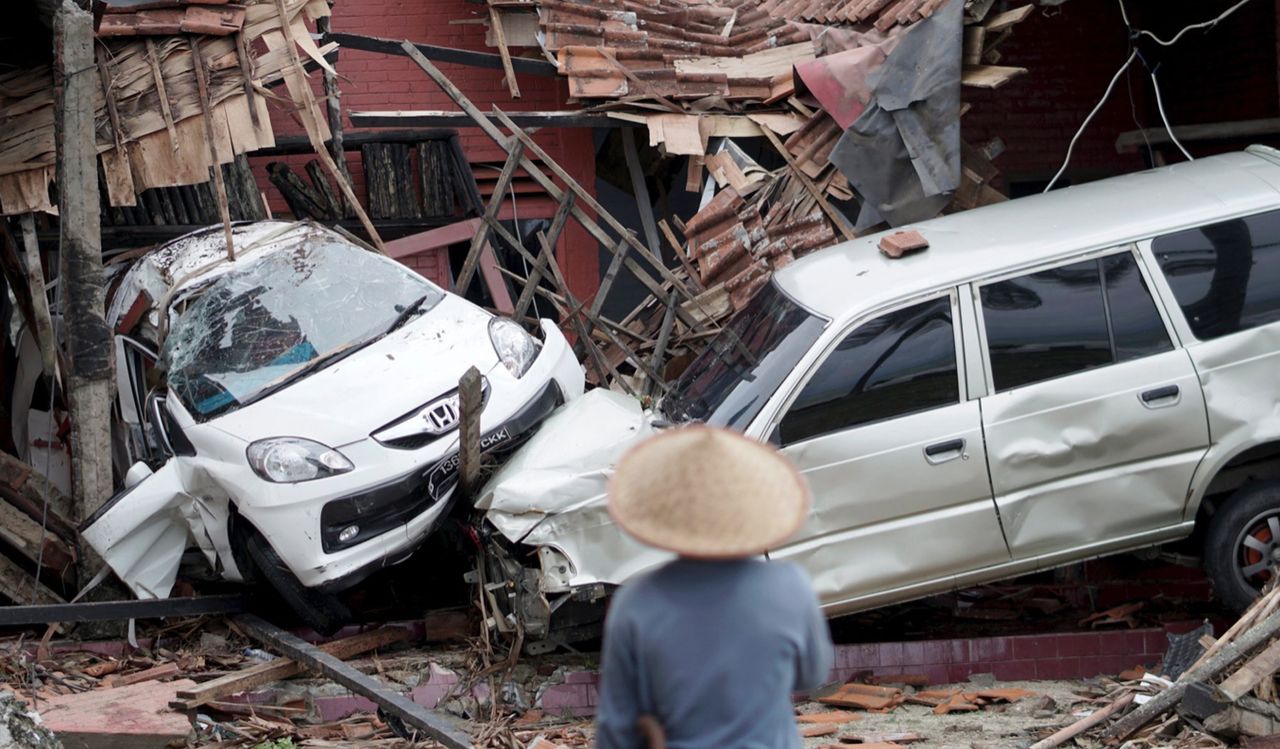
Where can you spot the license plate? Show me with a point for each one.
(445, 473)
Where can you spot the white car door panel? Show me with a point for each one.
(1097, 421)
(885, 514)
(1081, 458)
(895, 458)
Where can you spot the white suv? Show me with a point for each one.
(1056, 378)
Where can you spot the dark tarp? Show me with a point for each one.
(902, 154)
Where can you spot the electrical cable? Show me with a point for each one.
(1165, 120)
(1085, 124)
(1204, 24)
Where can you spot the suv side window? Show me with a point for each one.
(900, 363)
(1057, 322)
(1225, 276)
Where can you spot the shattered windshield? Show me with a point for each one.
(270, 321)
(728, 384)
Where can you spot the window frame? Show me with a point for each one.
(772, 415)
(1133, 248)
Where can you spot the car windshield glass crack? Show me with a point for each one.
(286, 312)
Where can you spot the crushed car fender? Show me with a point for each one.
(552, 491)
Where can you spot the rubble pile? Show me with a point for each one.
(834, 88)
(1224, 694)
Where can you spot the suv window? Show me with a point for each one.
(896, 364)
(1060, 321)
(1225, 276)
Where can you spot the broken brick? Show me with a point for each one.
(832, 716)
(899, 243)
(821, 729)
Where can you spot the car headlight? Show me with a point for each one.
(516, 348)
(288, 460)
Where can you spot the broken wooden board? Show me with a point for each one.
(129, 717)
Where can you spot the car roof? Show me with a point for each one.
(851, 277)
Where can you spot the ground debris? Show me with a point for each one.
(19, 730)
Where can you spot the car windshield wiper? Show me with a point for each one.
(318, 363)
(408, 312)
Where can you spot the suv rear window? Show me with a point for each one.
(1225, 276)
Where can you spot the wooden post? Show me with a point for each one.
(333, 102)
(471, 398)
(641, 191)
(215, 169)
(81, 279)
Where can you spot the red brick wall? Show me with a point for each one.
(384, 82)
(1072, 52)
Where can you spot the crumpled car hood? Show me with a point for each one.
(552, 490)
(346, 401)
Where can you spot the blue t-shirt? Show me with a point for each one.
(714, 651)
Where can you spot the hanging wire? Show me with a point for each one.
(1202, 25)
(1087, 120)
(1165, 120)
(1135, 34)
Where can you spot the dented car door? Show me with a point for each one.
(893, 451)
(1097, 421)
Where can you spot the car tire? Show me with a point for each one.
(322, 612)
(1243, 544)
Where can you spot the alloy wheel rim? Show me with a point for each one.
(1257, 549)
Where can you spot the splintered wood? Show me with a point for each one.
(151, 112)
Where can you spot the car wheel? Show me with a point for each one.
(1243, 544)
(322, 612)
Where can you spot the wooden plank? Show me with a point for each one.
(333, 105)
(157, 77)
(283, 668)
(215, 168)
(1261, 666)
(302, 88)
(540, 267)
(388, 176)
(1211, 668)
(443, 54)
(664, 336)
(480, 242)
(841, 223)
(435, 725)
(19, 586)
(500, 36)
(43, 322)
(1007, 19)
(37, 544)
(644, 205)
(988, 76)
(1075, 729)
(542, 179)
(611, 275)
(451, 119)
(1133, 140)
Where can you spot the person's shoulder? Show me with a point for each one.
(789, 578)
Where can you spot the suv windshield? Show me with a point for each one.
(276, 317)
(729, 382)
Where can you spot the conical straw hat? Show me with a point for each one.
(707, 493)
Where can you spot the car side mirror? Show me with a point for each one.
(138, 473)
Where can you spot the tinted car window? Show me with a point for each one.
(897, 364)
(1136, 326)
(1046, 325)
(1061, 321)
(1225, 276)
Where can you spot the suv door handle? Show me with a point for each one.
(942, 452)
(1161, 396)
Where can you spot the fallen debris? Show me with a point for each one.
(136, 716)
(19, 730)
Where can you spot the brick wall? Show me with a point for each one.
(384, 82)
(1072, 52)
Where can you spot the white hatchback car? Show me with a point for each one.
(1057, 377)
(306, 427)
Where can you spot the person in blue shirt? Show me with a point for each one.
(712, 646)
